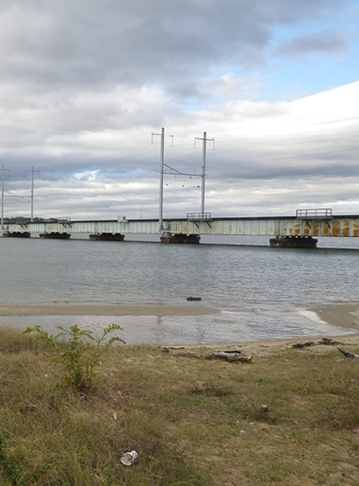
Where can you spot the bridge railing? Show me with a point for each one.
(199, 217)
(321, 213)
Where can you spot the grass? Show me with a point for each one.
(193, 421)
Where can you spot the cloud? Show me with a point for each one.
(327, 42)
(267, 158)
(230, 88)
(66, 45)
(83, 84)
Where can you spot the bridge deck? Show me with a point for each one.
(261, 226)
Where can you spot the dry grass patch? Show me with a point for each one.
(286, 419)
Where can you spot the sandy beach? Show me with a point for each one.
(70, 309)
(343, 315)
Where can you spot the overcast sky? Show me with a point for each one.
(84, 83)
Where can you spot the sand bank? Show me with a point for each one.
(343, 315)
(70, 309)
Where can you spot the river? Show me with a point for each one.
(262, 293)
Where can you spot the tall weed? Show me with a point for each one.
(78, 352)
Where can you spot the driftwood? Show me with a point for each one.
(230, 356)
(348, 354)
(325, 341)
(302, 345)
(181, 354)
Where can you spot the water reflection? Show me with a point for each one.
(159, 333)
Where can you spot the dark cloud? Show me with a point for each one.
(94, 43)
(325, 42)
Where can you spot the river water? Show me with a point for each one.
(262, 293)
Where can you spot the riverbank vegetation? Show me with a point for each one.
(290, 417)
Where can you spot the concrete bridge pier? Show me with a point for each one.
(16, 234)
(55, 236)
(293, 242)
(180, 238)
(107, 237)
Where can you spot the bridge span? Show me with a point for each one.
(297, 231)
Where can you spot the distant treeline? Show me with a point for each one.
(23, 220)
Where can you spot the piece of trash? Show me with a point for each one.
(348, 354)
(114, 415)
(264, 409)
(129, 458)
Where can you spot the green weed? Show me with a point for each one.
(79, 354)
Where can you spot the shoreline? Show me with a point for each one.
(269, 347)
(71, 309)
(340, 315)
(345, 316)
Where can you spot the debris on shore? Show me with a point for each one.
(348, 354)
(324, 341)
(230, 356)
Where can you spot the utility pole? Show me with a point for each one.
(203, 175)
(2, 197)
(162, 164)
(32, 191)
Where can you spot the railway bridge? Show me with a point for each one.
(299, 231)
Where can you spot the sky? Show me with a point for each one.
(86, 87)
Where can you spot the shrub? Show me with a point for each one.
(79, 354)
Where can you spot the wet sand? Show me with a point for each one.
(341, 315)
(70, 309)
